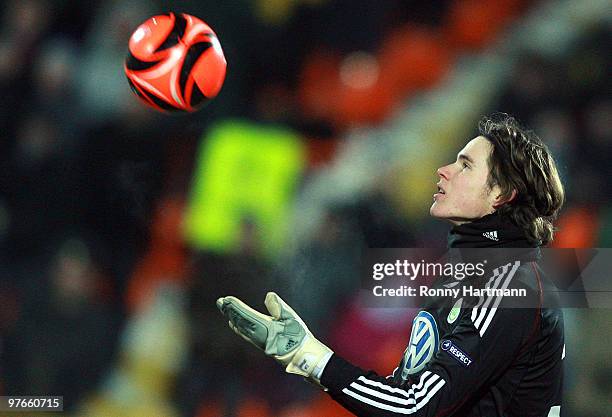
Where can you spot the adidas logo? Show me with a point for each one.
(491, 235)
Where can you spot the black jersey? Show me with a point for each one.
(479, 357)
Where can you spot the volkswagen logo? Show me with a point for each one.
(423, 344)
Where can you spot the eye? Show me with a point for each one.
(465, 165)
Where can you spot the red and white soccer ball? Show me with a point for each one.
(175, 63)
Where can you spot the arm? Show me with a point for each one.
(464, 366)
(488, 338)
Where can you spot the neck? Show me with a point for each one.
(490, 231)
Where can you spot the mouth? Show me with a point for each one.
(440, 192)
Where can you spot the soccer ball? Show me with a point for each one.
(175, 63)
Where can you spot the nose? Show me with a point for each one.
(443, 172)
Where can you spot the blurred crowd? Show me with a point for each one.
(119, 227)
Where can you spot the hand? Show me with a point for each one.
(283, 335)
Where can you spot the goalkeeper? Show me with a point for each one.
(502, 191)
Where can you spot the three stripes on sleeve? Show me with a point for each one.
(394, 399)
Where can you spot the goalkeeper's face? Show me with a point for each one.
(463, 194)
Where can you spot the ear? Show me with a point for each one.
(500, 201)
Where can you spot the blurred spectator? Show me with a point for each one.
(65, 336)
(38, 164)
(321, 276)
(591, 373)
(101, 79)
(216, 368)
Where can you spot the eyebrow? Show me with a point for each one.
(466, 157)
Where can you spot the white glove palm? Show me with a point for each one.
(283, 335)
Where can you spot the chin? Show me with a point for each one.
(434, 211)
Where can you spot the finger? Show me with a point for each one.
(225, 304)
(247, 322)
(220, 304)
(278, 308)
(273, 305)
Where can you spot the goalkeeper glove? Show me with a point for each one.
(283, 336)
